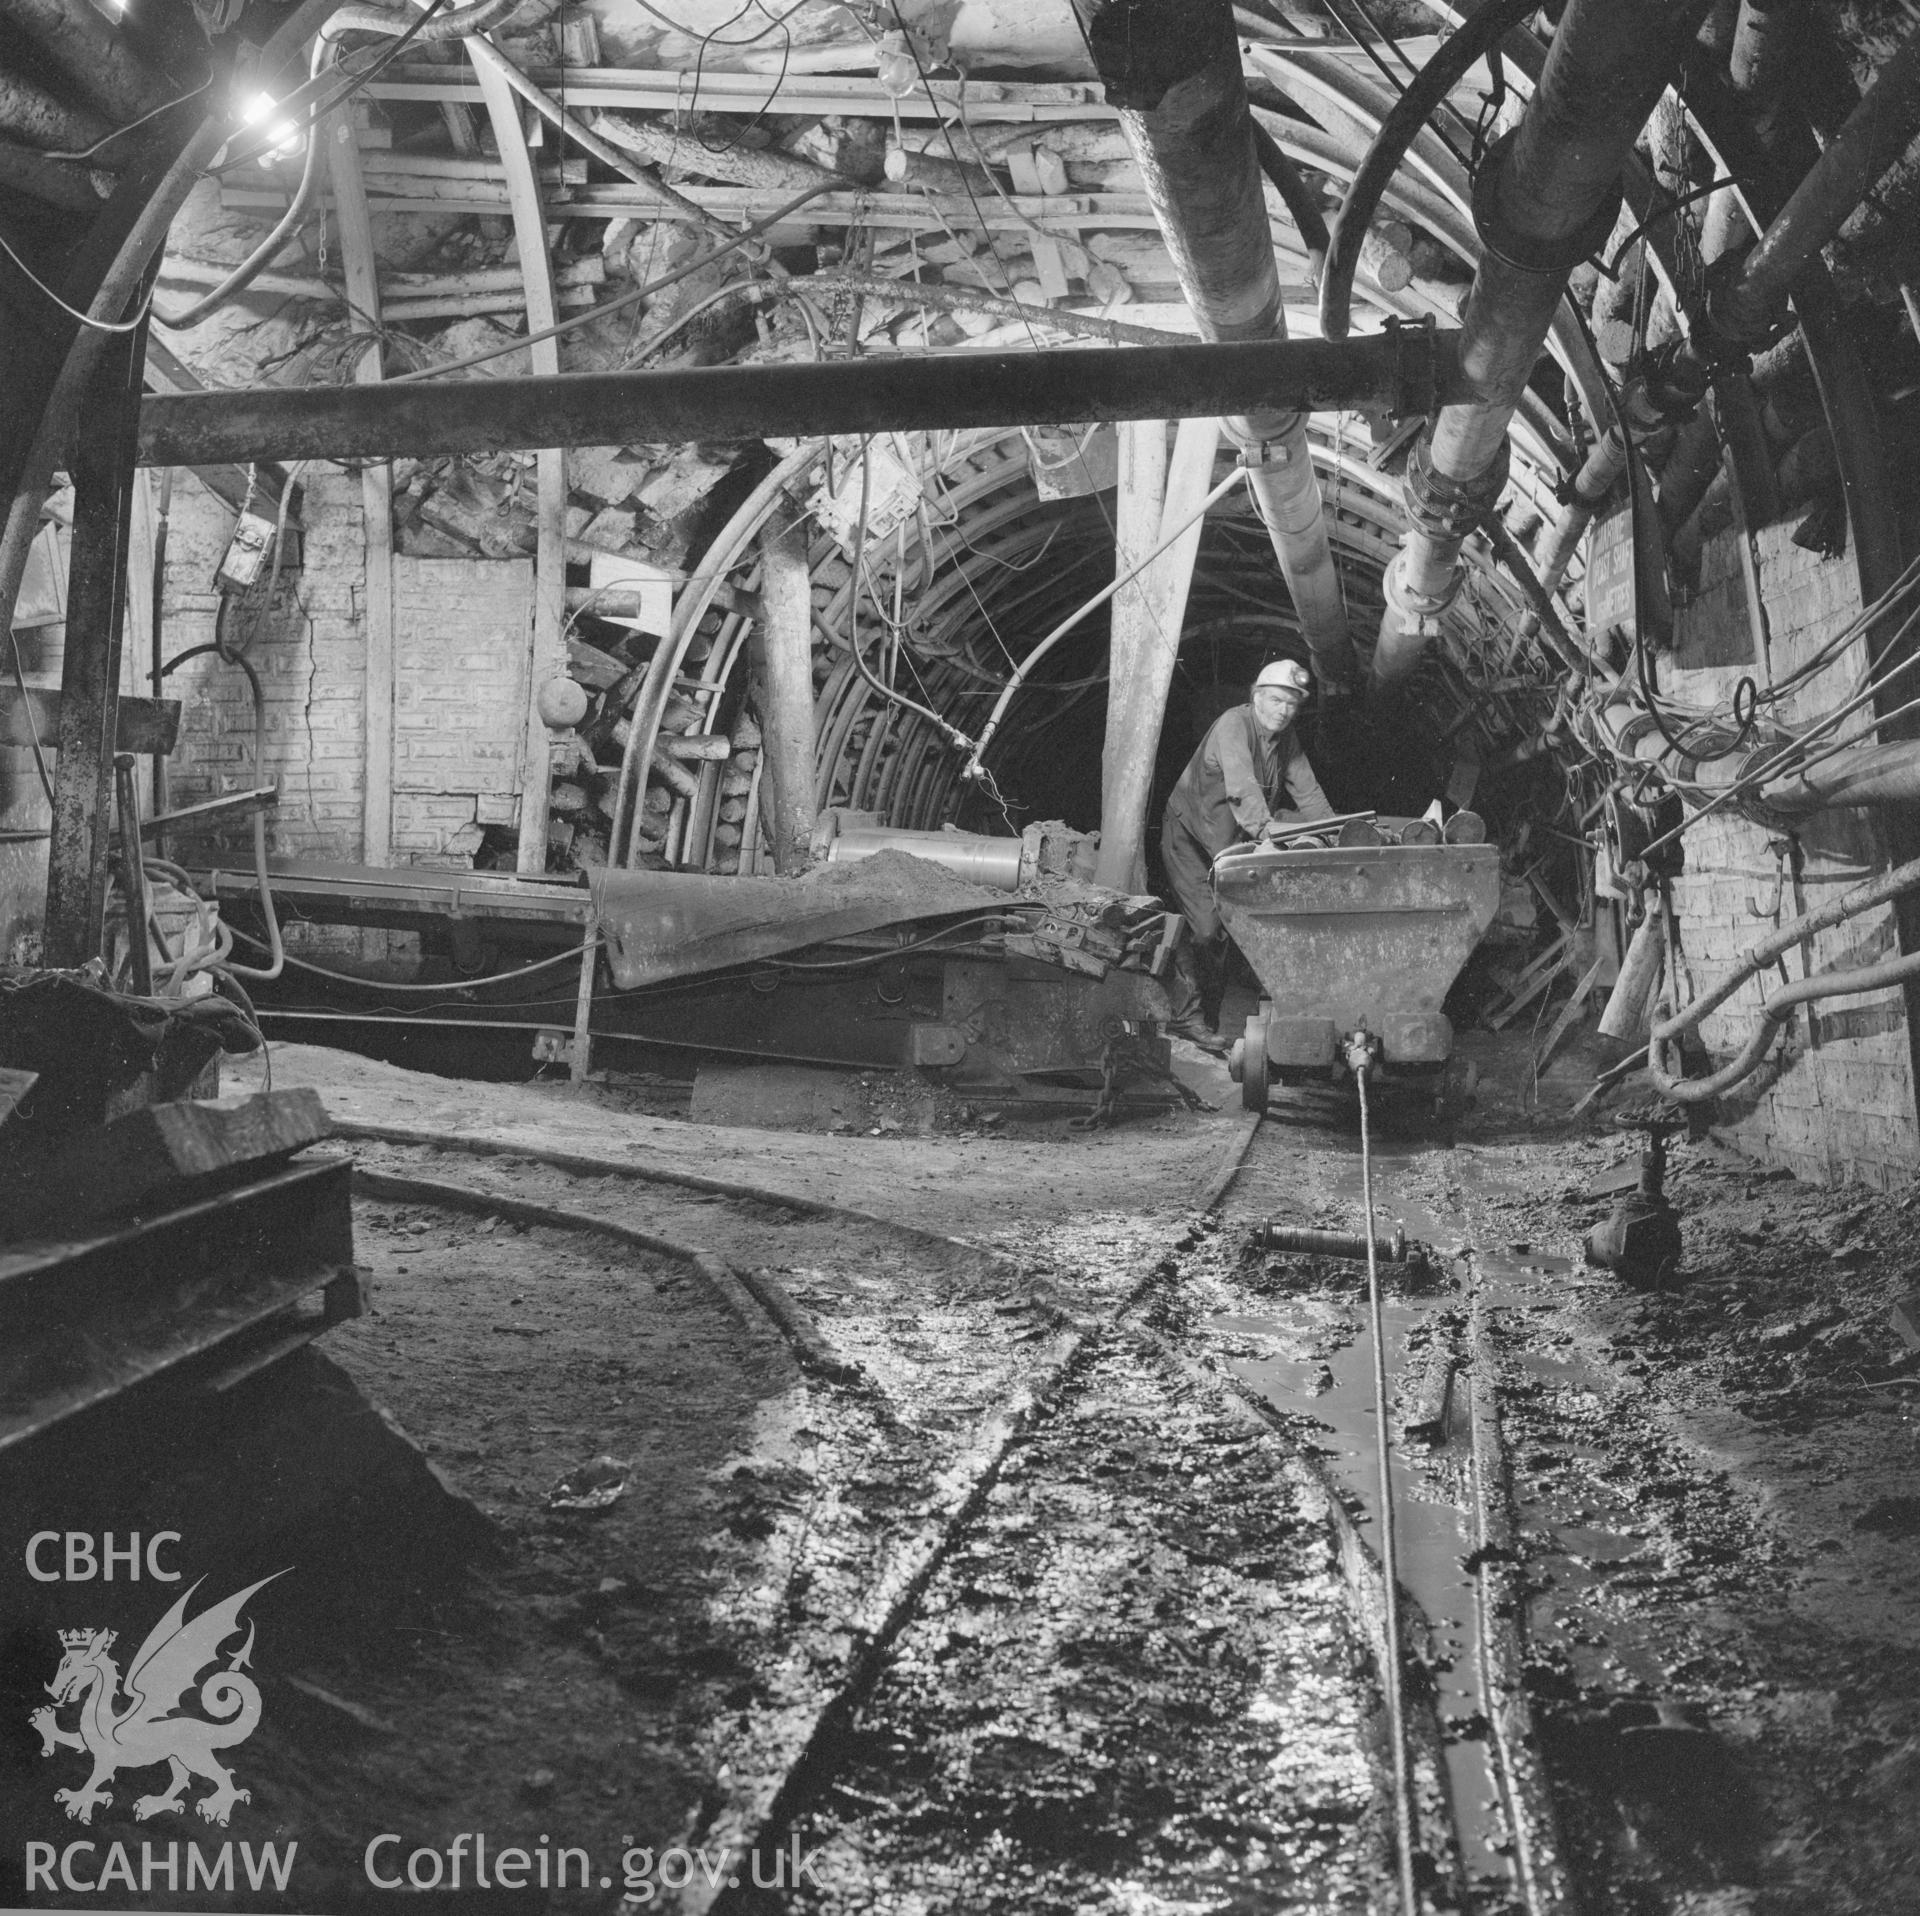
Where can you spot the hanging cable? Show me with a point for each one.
(975, 768)
(951, 733)
(74, 312)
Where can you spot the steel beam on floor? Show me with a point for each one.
(1406, 370)
(216, 1279)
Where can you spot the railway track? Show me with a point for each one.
(1071, 1585)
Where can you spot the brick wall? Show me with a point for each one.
(310, 655)
(1836, 1100)
(462, 644)
(463, 638)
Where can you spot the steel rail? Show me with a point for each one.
(1540, 1858)
(965, 1488)
(1405, 1834)
(740, 1288)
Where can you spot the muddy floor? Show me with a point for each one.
(988, 1591)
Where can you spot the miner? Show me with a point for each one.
(1249, 777)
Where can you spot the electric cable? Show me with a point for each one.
(572, 955)
(120, 132)
(73, 312)
(976, 769)
(951, 733)
(1000, 918)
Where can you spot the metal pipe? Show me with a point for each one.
(1405, 373)
(1303, 1242)
(1541, 613)
(1875, 135)
(1605, 462)
(983, 860)
(1174, 72)
(1546, 196)
(1864, 775)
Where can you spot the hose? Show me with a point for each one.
(1773, 1014)
(266, 974)
(1882, 890)
(262, 255)
(1302, 207)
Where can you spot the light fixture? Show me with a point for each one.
(259, 111)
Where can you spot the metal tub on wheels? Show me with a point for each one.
(1344, 939)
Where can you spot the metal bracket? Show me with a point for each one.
(1414, 384)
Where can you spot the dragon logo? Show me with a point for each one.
(150, 1728)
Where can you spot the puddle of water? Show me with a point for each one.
(1552, 1368)
(1596, 1545)
(1492, 1266)
(1255, 1326)
(1432, 1541)
(1393, 1207)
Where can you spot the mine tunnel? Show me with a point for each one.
(960, 958)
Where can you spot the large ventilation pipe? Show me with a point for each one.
(1544, 199)
(1875, 135)
(1741, 311)
(1173, 70)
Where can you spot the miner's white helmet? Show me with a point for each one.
(1289, 675)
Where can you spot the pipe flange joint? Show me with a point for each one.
(1523, 251)
(1418, 613)
(1444, 508)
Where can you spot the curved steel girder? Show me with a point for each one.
(899, 762)
(550, 504)
(689, 608)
